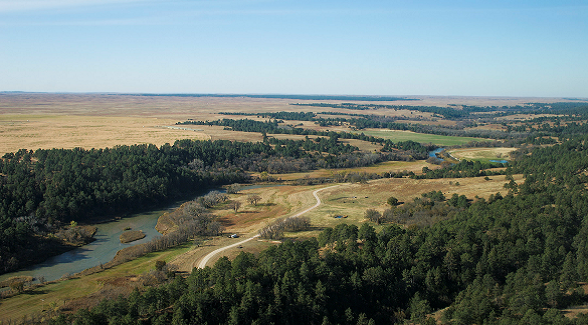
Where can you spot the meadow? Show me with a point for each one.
(439, 140)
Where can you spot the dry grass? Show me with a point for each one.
(389, 166)
(131, 235)
(46, 121)
(276, 202)
(484, 154)
(67, 131)
(352, 200)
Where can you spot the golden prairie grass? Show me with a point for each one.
(66, 131)
(388, 166)
(32, 121)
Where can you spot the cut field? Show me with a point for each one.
(440, 140)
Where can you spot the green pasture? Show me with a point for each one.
(440, 140)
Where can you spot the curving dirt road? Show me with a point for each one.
(205, 259)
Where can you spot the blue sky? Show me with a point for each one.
(371, 47)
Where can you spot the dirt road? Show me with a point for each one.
(205, 259)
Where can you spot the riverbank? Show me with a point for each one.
(83, 290)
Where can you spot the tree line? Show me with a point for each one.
(418, 150)
(43, 189)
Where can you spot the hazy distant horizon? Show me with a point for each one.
(398, 97)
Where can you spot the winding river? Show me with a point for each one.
(103, 249)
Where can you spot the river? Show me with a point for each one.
(103, 249)
(435, 152)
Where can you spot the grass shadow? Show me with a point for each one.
(35, 292)
(265, 204)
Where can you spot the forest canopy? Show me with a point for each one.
(512, 259)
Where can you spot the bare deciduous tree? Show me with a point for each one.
(253, 199)
(373, 215)
(235, 205)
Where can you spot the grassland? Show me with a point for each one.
(481, 154)
(388, 166)
(352, 200)
(46, 121)
(67, 131)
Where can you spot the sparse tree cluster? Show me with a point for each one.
(276, 230)
(234, 205)
(253, 199)
(234, 188)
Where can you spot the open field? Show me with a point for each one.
(388, 166)
(439, 140)
(347, 199)
(70, 131)
(482, 154)
(352, 200)
(37, 120)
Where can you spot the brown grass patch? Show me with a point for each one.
(131, 236)
(23, 278)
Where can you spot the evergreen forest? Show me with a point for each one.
(513, 259)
